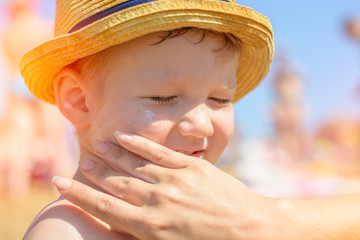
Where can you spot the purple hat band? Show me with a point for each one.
(111, 10)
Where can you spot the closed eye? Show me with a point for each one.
(163, 100)
(221, 101)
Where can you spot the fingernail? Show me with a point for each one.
(101, 147)
(122, 137)
(87, 165)
(117, 134)
(62, 183)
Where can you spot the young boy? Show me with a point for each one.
(168, 70)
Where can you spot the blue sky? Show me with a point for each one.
(313, 34)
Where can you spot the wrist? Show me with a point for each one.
(273, 218)
(267, 219)
(282, 218)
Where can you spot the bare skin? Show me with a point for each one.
(181, 99)
(207, 203)
(191, 187)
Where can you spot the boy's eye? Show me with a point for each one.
(221, 101)
(163, 100)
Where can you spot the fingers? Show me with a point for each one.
(152, 151)
(117, 213)
(122, 160)
(121, 185)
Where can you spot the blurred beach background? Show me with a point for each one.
(297, 135)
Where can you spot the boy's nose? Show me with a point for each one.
(197, 123)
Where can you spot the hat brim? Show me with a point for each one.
(40, 65)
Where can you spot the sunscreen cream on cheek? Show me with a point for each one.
(136, 120)
(148, 119)
(155, 127)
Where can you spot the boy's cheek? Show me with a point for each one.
(156, 130)
(150, 124)
(134, 120)
(223, 131)
(224, 122)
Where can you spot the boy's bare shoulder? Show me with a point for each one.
(63, 220)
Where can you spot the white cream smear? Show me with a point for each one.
(140, 116)
(149, 118)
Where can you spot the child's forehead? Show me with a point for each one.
(197, 37)
(161, 66)
(154, 59)
(152, 47)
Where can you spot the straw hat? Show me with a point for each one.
(84, 27)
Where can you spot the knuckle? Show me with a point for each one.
(122, 187)
(104, 205)
(166, 194)
(199, 168)
(162, 155)
(174, 178)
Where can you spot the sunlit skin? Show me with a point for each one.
(177, 93)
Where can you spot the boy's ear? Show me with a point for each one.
(70, 95)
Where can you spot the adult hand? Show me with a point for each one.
(157, 193)
(182, 197)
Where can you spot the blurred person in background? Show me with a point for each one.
(32, 133)
(277, 165)
(288, 113)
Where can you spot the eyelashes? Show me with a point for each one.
(163, 100)
(171, 99)
(221, 101)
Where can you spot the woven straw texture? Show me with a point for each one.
(40, 65)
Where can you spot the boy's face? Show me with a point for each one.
(177, 93)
